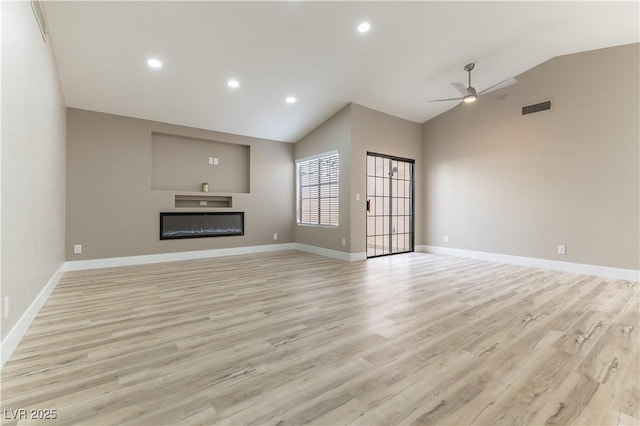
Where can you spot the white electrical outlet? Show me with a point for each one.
(203, 202)
(357, 196)
(275, 235)
(216, 161)
(344, 242)
(5, 308)
(77, 248)
(446, 239)
(562, 249)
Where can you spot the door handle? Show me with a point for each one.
(368, 206)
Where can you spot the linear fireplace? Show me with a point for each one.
(198, 225)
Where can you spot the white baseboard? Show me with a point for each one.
(335, 254)
(578, 268)
(12, 339)
(111, 262)
(356, 257)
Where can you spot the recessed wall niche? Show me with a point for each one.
(182, 163)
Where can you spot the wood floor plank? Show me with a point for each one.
(290, 338)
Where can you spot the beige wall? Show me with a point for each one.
(333, 134)
(374, 131)
(33, 161)
(500, 182)
(113, 211)
(353, 131)
(170, 153)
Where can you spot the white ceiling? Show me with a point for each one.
(311, 50)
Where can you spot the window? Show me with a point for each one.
(318, 179)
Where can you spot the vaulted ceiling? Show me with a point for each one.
(312, 51)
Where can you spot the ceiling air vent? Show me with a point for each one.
(541, 106)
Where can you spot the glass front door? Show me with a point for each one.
(390, 189)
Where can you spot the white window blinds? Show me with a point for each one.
(318, 180)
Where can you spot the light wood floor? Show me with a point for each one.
(294, 338)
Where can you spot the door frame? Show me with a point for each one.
(411, 202)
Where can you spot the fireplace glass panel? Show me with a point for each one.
(199, 225)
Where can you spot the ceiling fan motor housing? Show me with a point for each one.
(469, 93)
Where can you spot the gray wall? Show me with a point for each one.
(113, 211)
(33, 161)
(170, 153)
(333, 134)
(500, 182)
(374, 131)
(353, 131)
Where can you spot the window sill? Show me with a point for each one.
(309, 225)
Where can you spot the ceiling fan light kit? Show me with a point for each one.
(469, 93)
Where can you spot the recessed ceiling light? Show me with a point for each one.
(291, 100)
(233, 83)
(154, 63)
(364, 27)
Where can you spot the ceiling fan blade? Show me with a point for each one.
(449, 99)
(504, 83)
(461, 88)
(492, 97)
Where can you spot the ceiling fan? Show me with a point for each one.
(469, 94)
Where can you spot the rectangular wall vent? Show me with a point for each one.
(541, 106)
